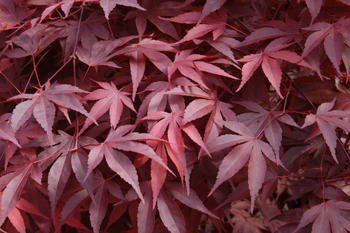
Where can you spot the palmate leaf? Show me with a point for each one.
(153, 13)
(101, 51)
(91, 29)
(210, 6)
(269, 64)
(64, 156)
(6, 131)
(109, 98)
(206, 102)
(247, 148)
(187, 63)
(122, 139)
(146, 48)
(330, 216)
(327, 120)
(12, 14)
(288, 30)
(24, 169)
(214, 22)
(42, 106)
(108, 5)
(170, 213)
(265, 121)
(333, 37)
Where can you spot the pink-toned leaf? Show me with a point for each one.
(170, 213)
(11, 194)
(6, 133)
(122, 165)
(191, 200)
(108, 5)
(72, 205)
(210, 6)
(58, 177)
(40, 105)
(109, 98)
(256, 174)
(314, 7)
(232, 163)
(17, 220)
(327, 120)
(98, 208)
(145, 214)
(158, 172)
(326, 216)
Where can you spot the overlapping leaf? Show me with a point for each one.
(24, 170)
(146, 48)
(101, 52)
(109, 98)
(205, 103)
(327, 120)
(329, 216)
(214, 22)
(121, 139)
(333, 37)
(187, 64)
(266, 122)
(108, 5)
(247, 148)
(269, 63)
(42, 106)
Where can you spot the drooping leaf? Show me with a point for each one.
(98, 208)
(191, 200)
(146, 212)
(170, 213)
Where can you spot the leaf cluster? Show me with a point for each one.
(174, 116)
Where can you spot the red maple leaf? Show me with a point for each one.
(214, 22)
(42, 106)
(12, 14)
(6, 131)
(247, 148)
(122, 139)
(15, 179)
(327, 120)
(101, 52)
(268, 59)
(333, 36)
(266, 122)
(90, 29)
(205, 103)
(146, 48)
(109, 98)
(108, 5)
(329, 216)
(284, 31)
(188, 64)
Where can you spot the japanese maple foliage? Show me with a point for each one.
(174, 116)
